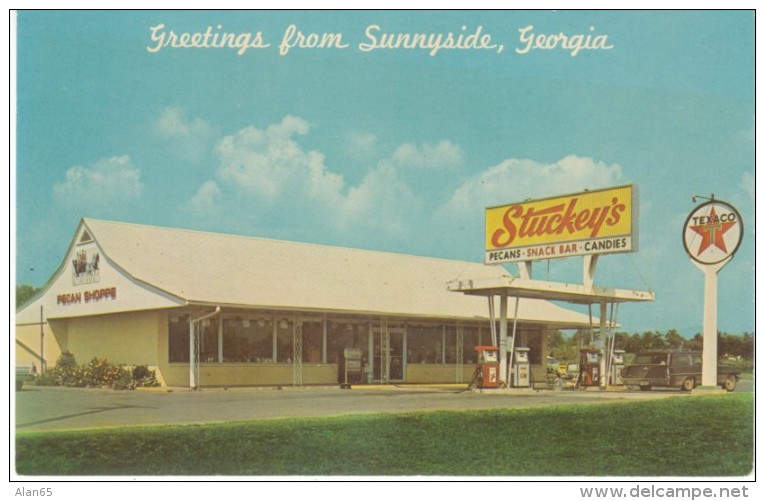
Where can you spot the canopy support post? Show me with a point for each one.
(492, 319)
(512, 340)
(503, 336)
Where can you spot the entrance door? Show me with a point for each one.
(388, 361)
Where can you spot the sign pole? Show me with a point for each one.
(709, 356)
(711, 235)
(709, 360)
(42, 341)
(603, 377)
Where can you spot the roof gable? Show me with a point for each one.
(88, 282)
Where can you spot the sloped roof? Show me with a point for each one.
(231, 270)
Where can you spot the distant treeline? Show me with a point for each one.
(729, 346)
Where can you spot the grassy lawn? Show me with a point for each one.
(692, 436)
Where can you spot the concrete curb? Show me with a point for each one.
(708, 390)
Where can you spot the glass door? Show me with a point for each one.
(388, 361)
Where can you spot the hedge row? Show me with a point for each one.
(99, 372)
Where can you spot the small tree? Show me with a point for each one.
(25, 292)
(674, 340)
(66, 372)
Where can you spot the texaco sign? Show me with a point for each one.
(712, 232)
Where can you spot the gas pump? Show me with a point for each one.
(617, 364)
(589, 367)
(521, 368)
(487, 372)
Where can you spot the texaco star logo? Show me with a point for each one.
(712, 232)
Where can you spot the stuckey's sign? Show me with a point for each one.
(590, 222)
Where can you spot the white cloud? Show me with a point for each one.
(206, 199)
(382, 201)
(516, 179)
(267, 172)
(100, 185)
(173, 123)
(266, 163)
(323, 184)
(443, 155)
(361, 144)
(190, 138)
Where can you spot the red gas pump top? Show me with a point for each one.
(486, 348)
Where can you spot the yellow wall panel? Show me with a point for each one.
(123, 338)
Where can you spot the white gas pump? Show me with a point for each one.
(617, 364)
(521, 368)
(352, 366)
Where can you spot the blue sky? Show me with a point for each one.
(396, 150)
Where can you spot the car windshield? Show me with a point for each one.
(651, 359)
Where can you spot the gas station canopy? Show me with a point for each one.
(506, 286)
(551, 291)
(587, 224)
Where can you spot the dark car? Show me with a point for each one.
(674, 369)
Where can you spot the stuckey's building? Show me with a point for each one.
(206, 309)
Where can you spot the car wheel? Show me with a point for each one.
(730, 383)
(688, 384)
(645, 387)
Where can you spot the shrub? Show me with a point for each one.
(741, 364)
(99, 372)
(66, 361)
(46, 379)
(141, 371)
(66, 372)
(96, 373)
(124, 381)
(144, 377)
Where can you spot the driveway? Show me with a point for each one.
(54, 408)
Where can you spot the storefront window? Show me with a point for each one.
(532, 338)
(251, 340)
(470, 340)
(178, 337)
(424, 344)
(247, 340)
(208, 340)
(342, 335)
(450, 353)
(312, 336)
(284, 334)
(467, 346)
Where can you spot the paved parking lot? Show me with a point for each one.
(53, 408)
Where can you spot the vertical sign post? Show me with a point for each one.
(711, 235)
(42, 341)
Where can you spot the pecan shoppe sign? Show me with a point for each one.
(712, 232)
(90, 296)
(590, 222)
